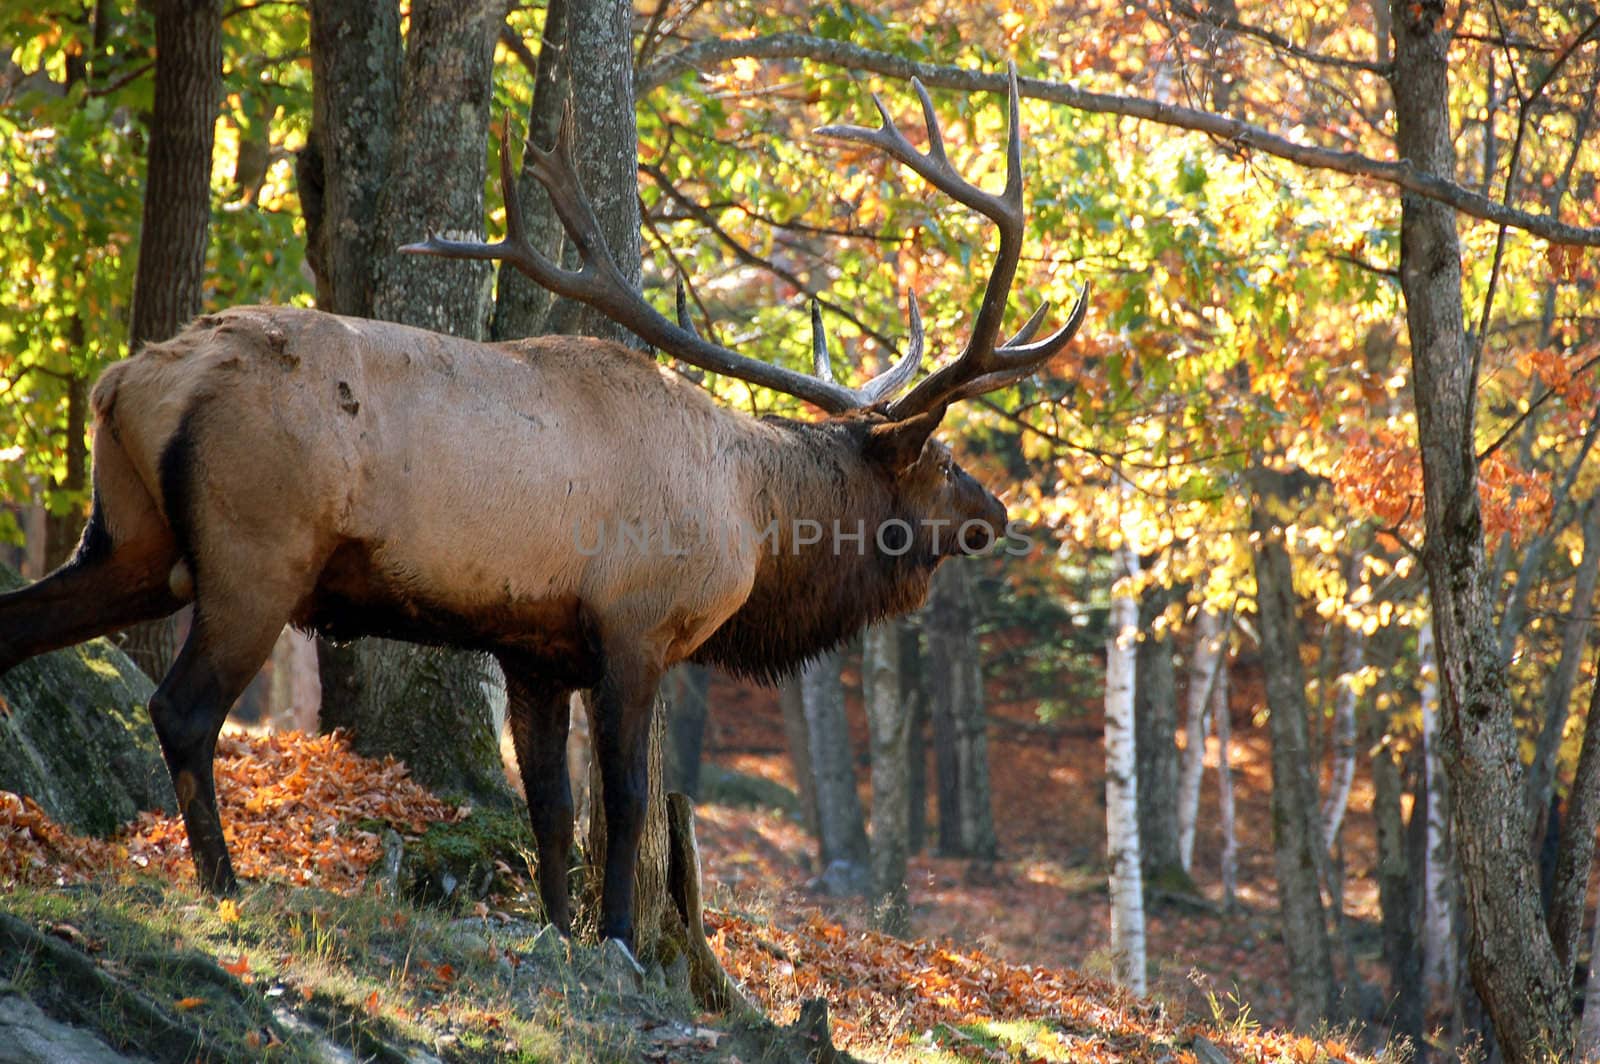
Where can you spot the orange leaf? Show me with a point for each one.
(189, 1003)
(372, 1003)
(446, 973)
(238, 967)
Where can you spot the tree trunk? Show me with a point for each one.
(607, 162)
(386, 695)
(798, 741)
(1397, 895)
(1204, 664)
(1122, 782)
(1575, 628)
(1438, 902)
(914, 691)
(687, 709)
(392, 697)
(169, 285)
(841, 829)
(1577, 842)
(890, 723)
(1589, 1035)
(1155, 721)
(1296, 834)
(961, 737)
(1513, 963)
(169, 282)
(1343, 772)
(1223, 723)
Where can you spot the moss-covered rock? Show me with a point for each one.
(457, 863)
(75, 737)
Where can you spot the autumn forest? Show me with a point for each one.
(1260, 731)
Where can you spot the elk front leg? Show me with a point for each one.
(623, 703)
(538, 714)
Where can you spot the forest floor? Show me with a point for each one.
(1045, 901)
(317, 961)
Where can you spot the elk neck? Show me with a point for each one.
(805, 480)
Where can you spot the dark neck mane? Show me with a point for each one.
(807, 603)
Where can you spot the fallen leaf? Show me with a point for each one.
(189, 1003)
(228, 911)
(239, 967)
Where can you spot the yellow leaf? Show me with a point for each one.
(228, 911)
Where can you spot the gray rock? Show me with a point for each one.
(548, 947)
(28, 1036)
(1208, 1052)
(619, 969)
(75, 736)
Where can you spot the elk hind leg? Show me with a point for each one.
(538, 714)
(248, 584)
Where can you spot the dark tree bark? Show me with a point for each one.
(606, 156)
(1570, 890)
(1575, 628)
(841, 828)
(397, 149)
(1512, 960)
(169, 281)
(169, 284)
(687, 708)
(1155, 734)
(1296, 833)
(355, 60)
(914, 691)
(1398, 897)
(63, 530)
(961, 735)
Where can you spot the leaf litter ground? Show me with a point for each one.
(292, 804)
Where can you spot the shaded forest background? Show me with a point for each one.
(1317, 472)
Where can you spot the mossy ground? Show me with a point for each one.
(291, 974)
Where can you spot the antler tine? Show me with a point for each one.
(886, 384)
(681, 304)
(1029, 327)
(1019, 359)
(821, 360)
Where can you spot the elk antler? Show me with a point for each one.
(601, 285)
(981, 367)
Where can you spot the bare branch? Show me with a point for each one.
(1283, 44)
(1241, 135)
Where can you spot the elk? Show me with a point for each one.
(351, 477)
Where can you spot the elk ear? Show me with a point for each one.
(897, 444)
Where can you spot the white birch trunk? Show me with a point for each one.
(1122, 785)
(1343, 775)
(1203, 663)
(1224, 728)
(1438, 943)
